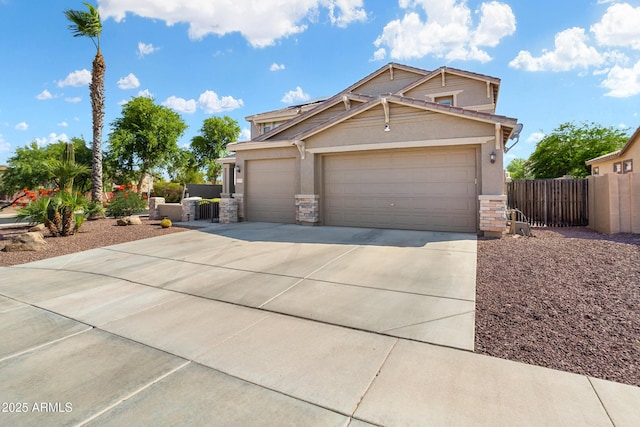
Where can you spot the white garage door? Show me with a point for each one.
(270, 190)
(425, 189)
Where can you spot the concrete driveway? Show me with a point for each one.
(266, 324)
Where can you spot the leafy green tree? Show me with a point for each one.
(144, 138)
(517, 169)
(184, 168)
(215, 134)
(565, 150)
(89, 24)
(33, 166)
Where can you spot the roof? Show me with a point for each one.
(368, 101)
(617, 153)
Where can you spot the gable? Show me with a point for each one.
(468, 93)
(390, 81)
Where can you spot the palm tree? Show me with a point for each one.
(88, 24)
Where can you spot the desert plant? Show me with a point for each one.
(166, 223)
(57, 211)
(125, 203)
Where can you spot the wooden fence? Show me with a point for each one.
(550, 202)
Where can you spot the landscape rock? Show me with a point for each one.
(135, 220)
(30, 241)
(37, 228)
(129, 220)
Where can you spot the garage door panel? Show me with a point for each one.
(426, 189)
(270, 190)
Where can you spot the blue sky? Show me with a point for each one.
(559, 61)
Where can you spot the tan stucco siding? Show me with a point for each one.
(407, 124)
(470, 92)
(312, 121)
(632, 153)
(384, 84)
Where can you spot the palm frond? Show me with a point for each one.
(85, 24)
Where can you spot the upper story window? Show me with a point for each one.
(444, 100)
(266, 127)
(596, 170)
(617, 167)
(627, 166)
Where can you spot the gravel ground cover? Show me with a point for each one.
(567, 299)
(92, 234)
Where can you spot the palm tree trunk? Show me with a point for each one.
(96, 90)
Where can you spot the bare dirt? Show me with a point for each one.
(567, 299)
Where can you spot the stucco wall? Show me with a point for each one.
(614, 203)
(473, 92)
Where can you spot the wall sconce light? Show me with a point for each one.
(238, 168)
(492, 157)
(386, 127)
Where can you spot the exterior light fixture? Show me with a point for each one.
(387, 128)
(492, 157)
(239, 169)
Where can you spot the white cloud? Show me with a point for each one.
(248, 17)
(181, 105)
(144, 93)
(296, 95)
(146, 49)
(77, 78)
(276, 67)
(536, 137)
(619, 27)
(211, 103)
(22, 126)
(447, 32)
(623, 82)
(52, 139)
(129, 82)
(63, 124)
(571, 51)
(245, 134)
(4, 145)
(44, 95)
(73, 100)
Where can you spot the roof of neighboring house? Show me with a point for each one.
(617, 153)
(286, 112)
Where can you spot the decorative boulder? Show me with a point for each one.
(31, 241)
(129, 220)
(38, 227)
(135, 220)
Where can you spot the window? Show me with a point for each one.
(596, 170)
(617, 167)
(444, 100)
(627, 166)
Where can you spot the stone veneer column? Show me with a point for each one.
(190, 211)
(493, 215)
(154, 202)
(307, 209)
(228, 210)
(239, 198)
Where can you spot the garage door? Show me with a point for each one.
(426, 189)
(270, 190)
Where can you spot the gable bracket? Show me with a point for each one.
(385, 106)
(444, 83)
(498, 136)
(300, 145)
(347, 102)
(391, 70)
(488, 89)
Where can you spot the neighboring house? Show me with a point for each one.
(619, 161)
(402, 148)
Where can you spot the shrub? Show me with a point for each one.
(125, 203)
(171, 191)
(62, 212)
(165, 223)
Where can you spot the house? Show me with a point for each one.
(619, 161)
(402, 148)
